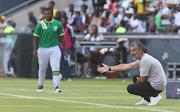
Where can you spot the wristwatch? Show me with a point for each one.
(109, 68)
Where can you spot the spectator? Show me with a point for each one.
(85, 18)
(101, 8)
(2, 24)
(41, 17)
(63, 14)
(77, 22)
(95, 56)
(151, 20)
(69, 39)
(134, 25)
(10, 28)
(96, 4)
(165, 10)
(106, 18)
(158, 22)
(113, 14)
(70, 14)
(118, 19)
(32, 21)
(141, 11)
(128, 15)
(51, 5)
(122, 28)
(176, 26)
(95, 20)
(121, 51)
(82, 58)
(12, 65)
(58, 16)
(105, 7)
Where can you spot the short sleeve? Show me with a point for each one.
(137, 63)
(37, 30)
(87, 37)
(145, 68)
(61, 30)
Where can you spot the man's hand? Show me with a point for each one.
(65, 54)
(35, 54)
(141, 79)
(103, 69)
(137, 79)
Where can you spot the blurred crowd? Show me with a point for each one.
(112, 16)
(118, 16)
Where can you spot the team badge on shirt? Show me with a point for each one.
(55, 28)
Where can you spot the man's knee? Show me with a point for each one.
(129, 88)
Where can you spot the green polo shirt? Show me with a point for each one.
(48, 33)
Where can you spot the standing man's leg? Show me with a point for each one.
(55, 66)
(62, 63)
(43, 60)
(67, 64)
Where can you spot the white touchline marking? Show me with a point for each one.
(104, 105)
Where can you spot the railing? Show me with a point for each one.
(136, 35)
(25, 4)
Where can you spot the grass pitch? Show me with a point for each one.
(80, 95)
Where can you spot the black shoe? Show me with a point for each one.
(40, 89)
(57, 89)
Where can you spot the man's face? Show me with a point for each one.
(48, 15)
(129, 15)
(83, 9)
(77, 15)
(63, 21)
(30, 14)
(42, 10)
(71, 8)
(51, 5)
(134, 52)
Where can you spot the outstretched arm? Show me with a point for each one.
(120, 67)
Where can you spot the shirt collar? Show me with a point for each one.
(50, 21)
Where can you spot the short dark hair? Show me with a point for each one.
(71, 5)
(95, 27)
(64, 18)
(84, 6)
(123, 23)
(52, 2)
(78, 12)
(50, 9)
(139, 45)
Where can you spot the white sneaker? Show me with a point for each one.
(57, 89)
(40, 89)
(69, 80)
(154, 100)
(142, 102)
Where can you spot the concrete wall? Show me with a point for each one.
(22, 19)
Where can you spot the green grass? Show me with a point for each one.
(111, 92)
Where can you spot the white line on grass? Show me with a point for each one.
(104, 105)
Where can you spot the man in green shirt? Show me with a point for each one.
(47, 33)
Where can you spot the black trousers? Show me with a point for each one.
(144, 89)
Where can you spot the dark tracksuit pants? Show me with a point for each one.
(144, 89)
